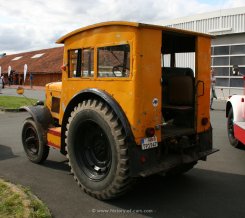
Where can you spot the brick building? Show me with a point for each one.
(44, 65)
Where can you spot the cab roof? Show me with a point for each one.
(131, 24)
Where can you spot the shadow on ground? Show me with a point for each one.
(199, 193)
(6, 153)
(62, 165)
(242, 147)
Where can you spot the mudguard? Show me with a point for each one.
(40, 114)
(96, 93)
(238, 105)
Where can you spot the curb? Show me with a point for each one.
(34, 88)
(11, 110)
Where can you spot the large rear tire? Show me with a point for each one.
(230, 130)
(34, 143)
(97, 151)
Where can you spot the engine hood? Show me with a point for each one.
(55, 86)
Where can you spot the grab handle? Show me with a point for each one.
(200, 84)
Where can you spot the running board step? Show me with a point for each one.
(54, 137)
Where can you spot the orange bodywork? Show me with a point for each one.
(136, 93)
(53, 137)
(203, 55)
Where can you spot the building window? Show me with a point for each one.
(114, 61)
(238, 60)
(224, 82)
(81, 62)
(17, 58)
(236, 82)
(238, 49)
(221, 61)
(228, 63)
(221, 50)
(237, 71)
(38, 55)
(221, 71)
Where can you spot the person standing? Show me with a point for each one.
(9, 80)
(21, 79)
(212, 90)
(1, 84)
(31, 80)
(16, 78)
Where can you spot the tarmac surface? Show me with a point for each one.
(214, 188)
(37, 92)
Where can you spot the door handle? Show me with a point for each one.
(200, 84)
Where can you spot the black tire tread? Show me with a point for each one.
(43, 156)
(122, 182)
(233, 141)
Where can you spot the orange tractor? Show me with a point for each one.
(123, 109)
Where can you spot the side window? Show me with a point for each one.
(87, 63)
(114, 61)
(73, 59)
(81, 62)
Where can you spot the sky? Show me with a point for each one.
(27, 25)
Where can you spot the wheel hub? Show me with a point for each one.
(94, 156)
(31, 141)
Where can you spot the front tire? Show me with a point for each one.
(97, 151)
(34, 143)
(230, 130)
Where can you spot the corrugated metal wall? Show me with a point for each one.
(214, 25)
(182, 60)
(217, 25)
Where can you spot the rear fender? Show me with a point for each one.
(103, 96)
(238, 106)
(41, 115)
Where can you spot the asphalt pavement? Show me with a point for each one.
(36, 92)
(214, 188)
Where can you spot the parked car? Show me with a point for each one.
(235, 113)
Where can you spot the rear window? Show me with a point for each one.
(114, 61)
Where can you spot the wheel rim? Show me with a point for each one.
(230, 127)
(93, 150)
(31, 140)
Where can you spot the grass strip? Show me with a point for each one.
(12, 102)
(19, 202)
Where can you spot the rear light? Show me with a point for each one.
(204, 121)
(142, 159)
(242, 99)
(63, 67)
(150, 132)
